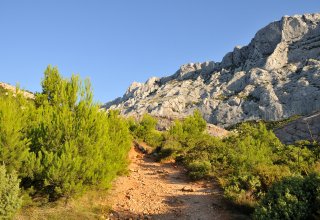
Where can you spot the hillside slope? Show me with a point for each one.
(6, 87)
(274, 77)
(303, 128)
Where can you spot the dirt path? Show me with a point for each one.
(162, 191)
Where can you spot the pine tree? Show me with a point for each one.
(74, 143)
(13, 143)
(10, 200)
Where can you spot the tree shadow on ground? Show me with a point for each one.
(179, 208)
(204, 202)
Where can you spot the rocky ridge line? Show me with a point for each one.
(274, 77)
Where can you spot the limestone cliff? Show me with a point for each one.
(274, 77)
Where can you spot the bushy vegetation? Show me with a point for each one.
(145, 130)
(14, 144)
(292, 198)
(247, 163)
(61, 143)
(73, 143)
(183, 136)
(10, 199)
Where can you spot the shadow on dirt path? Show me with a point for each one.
(162, 191)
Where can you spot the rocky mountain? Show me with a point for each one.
(274, 77)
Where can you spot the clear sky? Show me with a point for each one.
(116, 42)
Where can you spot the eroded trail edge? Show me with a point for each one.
(162, 191)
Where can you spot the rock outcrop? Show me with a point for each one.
(304, 128)
(14, 89)
(274, 77)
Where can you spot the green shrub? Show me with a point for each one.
(62, 142)
(299, 158)
(73, 143)
(145, 130)
(14, 146)
(194, 124)
(10, 200)
(199, 169)
(242, 188)
(248, 156)
(146, 125)
(247, 186)
(187, 142)
(269, 174)
(292, 198)
(154, 138)
(185, 135)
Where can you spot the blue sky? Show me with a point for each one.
(116, 42)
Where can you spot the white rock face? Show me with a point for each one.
(274, 77)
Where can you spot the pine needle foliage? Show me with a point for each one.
(10, 200)
(74, 144)
(13, 142)
(292, 198)
(145, 130)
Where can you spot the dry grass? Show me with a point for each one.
(92, 205)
